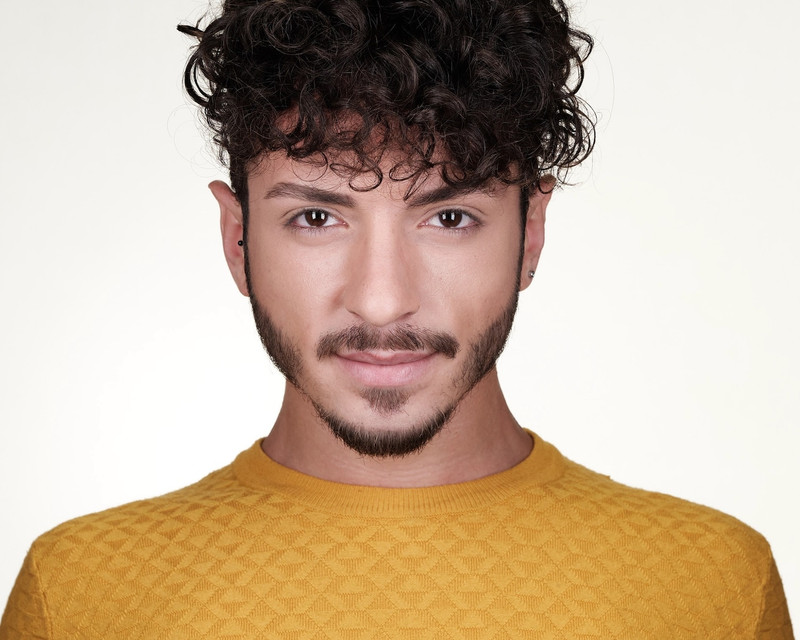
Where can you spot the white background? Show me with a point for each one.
(658, 344)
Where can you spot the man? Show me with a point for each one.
(390, 167)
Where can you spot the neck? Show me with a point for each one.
(480, 439)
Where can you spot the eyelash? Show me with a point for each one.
(473, 221)
(310, 229)
(294, 226)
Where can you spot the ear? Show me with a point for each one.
(534, 229)
(231, 225)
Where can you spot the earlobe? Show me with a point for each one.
(534, 229)
(232, 228)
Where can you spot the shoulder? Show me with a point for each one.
(672, 560)
(660, 518)
(91, 540)
(673, 538)
(567, 490)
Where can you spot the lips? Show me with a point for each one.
(385, 368)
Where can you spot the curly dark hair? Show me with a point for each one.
(479, 89)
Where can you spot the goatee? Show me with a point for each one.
(383, 443)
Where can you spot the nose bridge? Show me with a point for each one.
(381, 286)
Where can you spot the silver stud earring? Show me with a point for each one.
(531, 273)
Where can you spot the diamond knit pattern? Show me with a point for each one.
(546, 550)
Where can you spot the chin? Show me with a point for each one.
(386, 441)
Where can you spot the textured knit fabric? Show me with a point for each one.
(546, 550)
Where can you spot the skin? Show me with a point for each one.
(386, 262)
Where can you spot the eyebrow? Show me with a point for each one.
(307, 192)
(445, 192)
(323, 196)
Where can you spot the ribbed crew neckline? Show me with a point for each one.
(256, 470)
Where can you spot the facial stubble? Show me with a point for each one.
(481, 358)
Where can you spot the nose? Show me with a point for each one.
(381, 286)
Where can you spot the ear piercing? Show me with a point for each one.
(241, 244)
(531, 273)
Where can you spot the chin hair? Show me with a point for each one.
(385, 401)
(385, 443)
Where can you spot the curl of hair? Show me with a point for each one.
(480, 89)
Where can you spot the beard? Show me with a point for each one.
(382, 443)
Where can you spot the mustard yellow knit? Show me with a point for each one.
(546, 550)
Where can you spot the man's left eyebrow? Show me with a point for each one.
(445, 192)
(307, 192)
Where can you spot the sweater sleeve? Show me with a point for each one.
(775, 623)
(25, 617)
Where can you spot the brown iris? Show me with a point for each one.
(315, 217)
(450, 218)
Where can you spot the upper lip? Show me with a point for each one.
(385, 358)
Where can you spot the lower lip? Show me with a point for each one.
(386, 375)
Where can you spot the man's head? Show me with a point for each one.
(476, 89)
(380, 156)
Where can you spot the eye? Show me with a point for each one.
(452, 219)
(313, 219)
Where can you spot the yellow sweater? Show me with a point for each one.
(546, 550)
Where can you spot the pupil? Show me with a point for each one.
(450, 218)
(316, 218)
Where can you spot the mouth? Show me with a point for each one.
(385, 368)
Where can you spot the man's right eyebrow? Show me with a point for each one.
(307, 192)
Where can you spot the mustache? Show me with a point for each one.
(364, 337)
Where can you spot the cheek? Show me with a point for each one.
(290, 286)
(472, 288)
